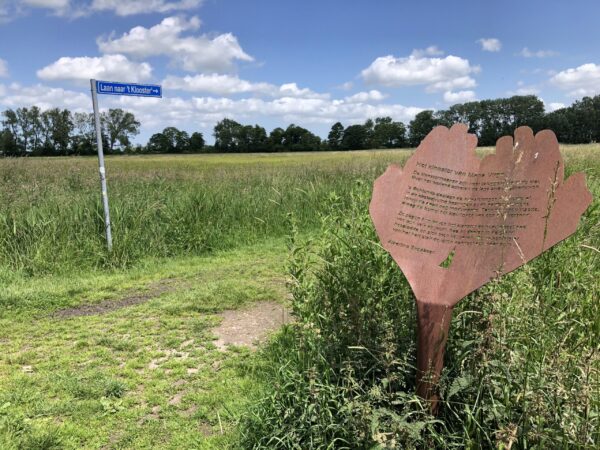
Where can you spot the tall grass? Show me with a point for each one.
(522, 364)
(51, 217)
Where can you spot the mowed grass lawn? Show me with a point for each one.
(194, 236)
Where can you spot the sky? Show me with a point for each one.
(312, 63)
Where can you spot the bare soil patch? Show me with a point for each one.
(154, 290)
(248, 326)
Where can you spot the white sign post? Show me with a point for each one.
(113, 88)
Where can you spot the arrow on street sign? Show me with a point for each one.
(138, 90)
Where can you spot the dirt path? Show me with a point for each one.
(249, 326)
(243, 327)
(154, 290)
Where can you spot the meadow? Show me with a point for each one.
(197, 235)
(163, 206)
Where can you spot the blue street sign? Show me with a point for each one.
(139, 90)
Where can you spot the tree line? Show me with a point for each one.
(56, 132)
(488, 119)
(491, 119)
(30, 131)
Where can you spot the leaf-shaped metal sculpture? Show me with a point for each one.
(453, 222)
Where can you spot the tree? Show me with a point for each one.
(420, 127)
(180, 138)
(584, 120)
(12, 143)
(8, 144)
(275, 140)
(196, 142)
(57, 127)
(158, 143)
(524, 110)
(298, 139)
(369, 127)
(252, 138)
(334, 138)
(578, 123)
(119, 126)
(231, 136)
(259, 139)
(355, 137)
(388, 134)
(33, 130)
(83, 141)
(469, 113)
(490, 122)
(226, 133)
(26, 128)
(171, 140)
(491, 119)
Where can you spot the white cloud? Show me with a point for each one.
(224, 84)
(432, 50)
(490, 44)
(363, 97)
(45, 97)
(580, 81)
(301, 109)
(129, 7)
(346, 86)
(3, 68)
(5, 14)
(219, 84)
(553, 106)
(438, 74)
(192, 53)
(459, 97)
(523, 89)
(204, 112)
(49, 4)
(155, 114)
(107, 67)
(526, 53)
(12, 8)
(143, 42)
(535, 71)
(292, 90)
(456, 83)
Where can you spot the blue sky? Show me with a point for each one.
(310, 62)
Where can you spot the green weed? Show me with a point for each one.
(522, 363)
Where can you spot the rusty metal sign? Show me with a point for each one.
(453, 222)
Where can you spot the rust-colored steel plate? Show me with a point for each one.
(453, 221)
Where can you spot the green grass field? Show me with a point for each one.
(196, 235)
